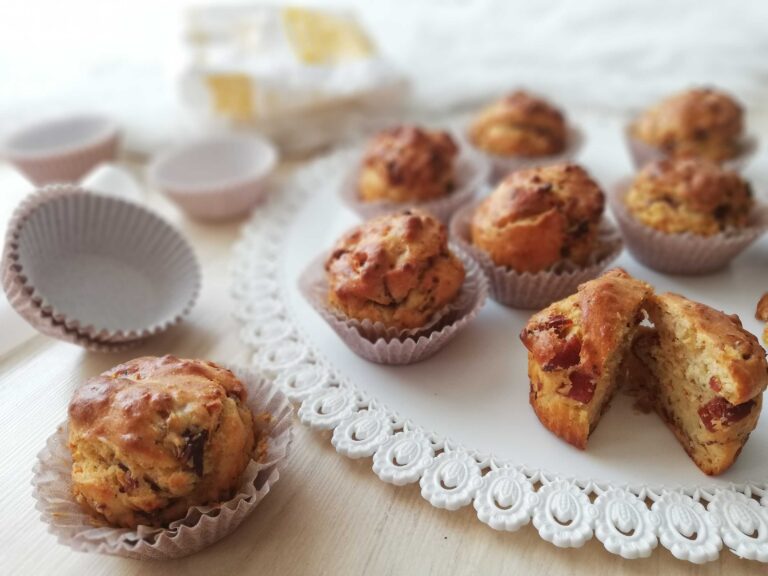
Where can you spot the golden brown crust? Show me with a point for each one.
(738, 352)
(689, 195)
(520, 125)
(154, 436)
(701, 122)
(575, 347)
(566, 420)
(408, 164)
(608, 304)
(396, 269)
(539, 216)
(761, 312)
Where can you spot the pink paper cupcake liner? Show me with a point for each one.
(536, 290)
(501, 166)
(201, 527)
(643, 153)
(472, 173)
(45, 324)
(687, 254)
(208, 190)
(64, 223)
(377, 343)
(67, 164)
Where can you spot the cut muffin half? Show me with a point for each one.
(706, 378)
(575, 349)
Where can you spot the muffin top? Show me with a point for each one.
(701, 122)
(520, 125)
(154, 436)
(396, 269)
(408, 164)
(538, 216)
(737, 366)
(689, 195)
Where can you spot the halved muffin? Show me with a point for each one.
(707, 375)
(575, 350)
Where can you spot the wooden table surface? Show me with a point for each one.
(327, 515)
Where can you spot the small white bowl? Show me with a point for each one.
(216, 178)
(63, 149)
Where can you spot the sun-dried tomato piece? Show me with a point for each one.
(559, 323)
(714, 383)
(566, 353)
(582, 386)
(720, 410)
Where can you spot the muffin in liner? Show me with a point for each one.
(472, 173)
(535, 290)
(96, 267)
(386, 345)
(688, 254)
(503, 165)
(201, 527)
(643, 153)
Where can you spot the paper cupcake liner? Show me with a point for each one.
(377, 343)
(229, 196)
(501, 166)
(220, 204)
(68, 166)
(687, 254)
(46, 325)
(201, 527)
(643, 153)
(472, 173)
(161, 277)
(18, 296)
(536, 290)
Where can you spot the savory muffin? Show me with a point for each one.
(761, 313)
(702, 122)
(520, 125)
(539, 216)
(154, 436)
(689, 195)
(396, 269)
(575, 350)
(707, 378)
(408, 164)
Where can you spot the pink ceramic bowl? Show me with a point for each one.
(63, 149)
(217, 178)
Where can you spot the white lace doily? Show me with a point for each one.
(692, 522)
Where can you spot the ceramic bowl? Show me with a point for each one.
(216, 178)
